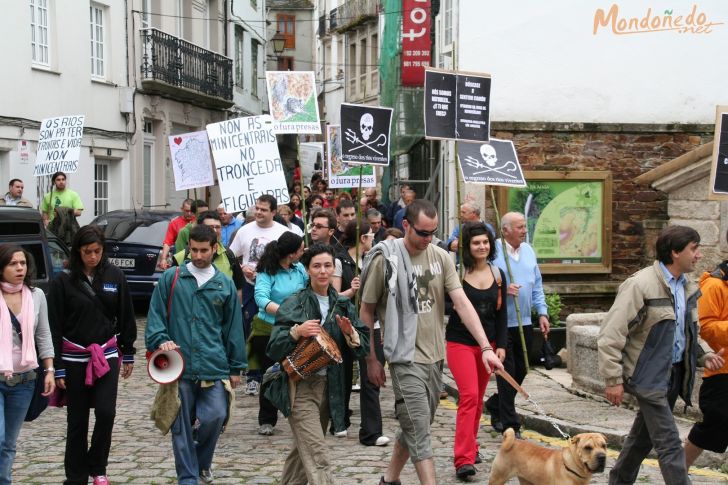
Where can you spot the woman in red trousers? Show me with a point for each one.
(484, 285)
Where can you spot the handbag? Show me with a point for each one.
(548, 356)
(39, 402)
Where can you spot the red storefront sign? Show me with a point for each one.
(416, 55)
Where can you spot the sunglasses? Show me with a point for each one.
(420, 232)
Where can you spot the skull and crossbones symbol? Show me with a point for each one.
(366, 128)
(490, 157)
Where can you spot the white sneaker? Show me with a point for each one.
(252, 388)
(341, 434)
(382, 441)
(206, 477)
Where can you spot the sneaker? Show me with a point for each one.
(252, 388)
(478, 458)
(393, 482)
(341, 434)
(265, 430)
(101, 480)
(465, 471)
(382, 441)
(206, 477)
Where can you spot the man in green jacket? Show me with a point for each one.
(195, 309)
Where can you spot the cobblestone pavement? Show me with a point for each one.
(141, 455)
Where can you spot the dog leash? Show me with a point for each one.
(510, 380)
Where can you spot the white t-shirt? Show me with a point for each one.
(201, 275)
(251, 240)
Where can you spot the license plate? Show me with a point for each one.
(123, 262)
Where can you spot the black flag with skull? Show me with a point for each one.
(365, 131)
(492, 163)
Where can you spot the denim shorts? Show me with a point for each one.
(416, 394)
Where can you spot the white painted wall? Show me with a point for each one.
(252, 20)
(64, 88)
(547, 64)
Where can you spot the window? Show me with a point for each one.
(286, 25)
(254, 46)
(101, 188)
(447, 17)
(285, 63)
(97, 41)
(147, 163)
(239, 37)
(40, 32)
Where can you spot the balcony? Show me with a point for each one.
(322, 26)
(178, 69)
(354, 13)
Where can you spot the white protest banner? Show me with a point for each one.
(59, 145)
(292, 101)
(309, 153)
(342, 174)
(247, 161)
(191, 160)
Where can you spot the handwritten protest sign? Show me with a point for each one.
(342, 174)
(247, 161)
(292, 101)
(59, 145)
(191, 160)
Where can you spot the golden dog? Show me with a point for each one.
(536, 465)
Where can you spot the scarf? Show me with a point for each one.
(27, 319)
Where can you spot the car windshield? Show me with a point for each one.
(135, 231)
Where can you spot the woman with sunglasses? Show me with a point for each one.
(309, 402)
(25, 338)
(484, 285)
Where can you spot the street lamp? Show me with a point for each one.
(279, 43)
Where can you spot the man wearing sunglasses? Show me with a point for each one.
(404, 285)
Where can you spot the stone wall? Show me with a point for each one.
(638, 211)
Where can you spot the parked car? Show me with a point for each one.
(48, 255)
(134, 244)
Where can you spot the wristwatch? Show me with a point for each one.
(49, 369)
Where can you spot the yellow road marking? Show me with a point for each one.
(560, 443)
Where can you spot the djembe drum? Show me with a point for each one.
(311, 355)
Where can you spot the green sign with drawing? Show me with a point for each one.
(565, 219)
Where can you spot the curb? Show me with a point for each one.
(542, 424)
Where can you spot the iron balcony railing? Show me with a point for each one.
(178, 63)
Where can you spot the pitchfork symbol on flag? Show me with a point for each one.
(365, 132)
(492, 163)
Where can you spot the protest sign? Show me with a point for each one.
(492, 163)
(247, 161)
(365, 133)
(191, 160)
(59, 145)
(292, 101)
(719, 170)
(457, 106)
(342, 174)
(311, 159)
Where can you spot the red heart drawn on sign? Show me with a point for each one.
(178, 140)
